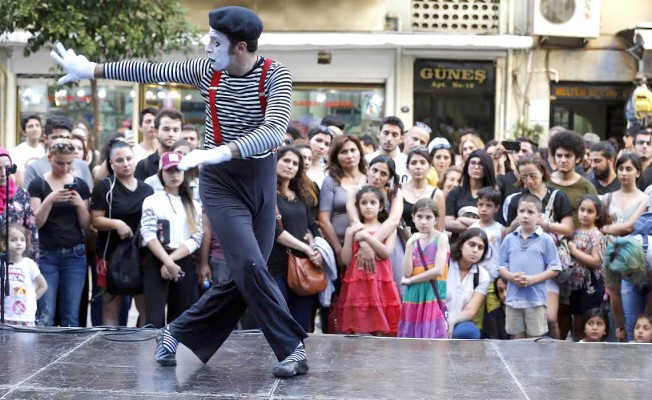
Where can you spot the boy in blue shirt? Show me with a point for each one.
(527, 259)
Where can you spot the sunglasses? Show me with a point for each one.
(63, 146)
(424, 126)
(441, 146)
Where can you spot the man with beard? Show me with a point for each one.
(643, 149)
(602, 157)
(168, 127)
(389, 137)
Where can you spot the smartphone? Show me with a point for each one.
(129, 134)
(70, 186)
(511, 145)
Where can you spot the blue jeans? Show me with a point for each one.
(64, 270)
(633, 304)
(466, 330)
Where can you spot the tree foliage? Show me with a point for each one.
(102, 30)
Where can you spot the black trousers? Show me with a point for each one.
(179, 296)
(239, 197)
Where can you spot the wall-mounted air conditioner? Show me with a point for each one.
(566, 18)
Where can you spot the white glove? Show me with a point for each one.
(213, 156)
(76, 67)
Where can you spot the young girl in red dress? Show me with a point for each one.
(369, 301)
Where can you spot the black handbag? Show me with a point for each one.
(124, 275)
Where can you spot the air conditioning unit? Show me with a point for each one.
(566, 18)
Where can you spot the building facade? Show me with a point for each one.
(491, 65)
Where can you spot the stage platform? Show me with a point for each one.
(88, 366)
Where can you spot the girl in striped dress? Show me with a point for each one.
(421, 315)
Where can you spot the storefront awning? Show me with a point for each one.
(330, 40)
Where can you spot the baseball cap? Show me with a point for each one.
(170, 159)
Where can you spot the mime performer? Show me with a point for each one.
(238, 181)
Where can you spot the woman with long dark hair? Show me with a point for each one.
(381, 174)
(171, 226)
(462, 201)
(116, 208)
(294, 220)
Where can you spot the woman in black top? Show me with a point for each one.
(121, 195)
(60, 204)
(295, 222)
(461, 201)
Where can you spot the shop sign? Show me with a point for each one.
(582, 91)
(438, 76)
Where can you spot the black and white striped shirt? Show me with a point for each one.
(238, 105)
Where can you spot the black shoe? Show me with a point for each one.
(164, 356)
(287, 369)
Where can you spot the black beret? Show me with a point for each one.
(240, 22)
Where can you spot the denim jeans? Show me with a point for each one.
(633, 304)
(466, 330)
(64, 270)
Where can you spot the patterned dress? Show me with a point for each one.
(21, 213)
(369, 302)
(586, 285)
(421, 316)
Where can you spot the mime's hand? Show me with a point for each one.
(77, 67)
(212, 156)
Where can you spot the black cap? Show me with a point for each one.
(240, 22)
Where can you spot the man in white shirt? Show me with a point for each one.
(31, 149)
(149, 143)
(389, 137)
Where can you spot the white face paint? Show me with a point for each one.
(217, 49)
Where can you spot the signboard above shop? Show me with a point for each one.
(589, 91)
(432, 76)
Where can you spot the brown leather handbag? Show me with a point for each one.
(304, 277)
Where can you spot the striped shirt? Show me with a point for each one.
(238, 105)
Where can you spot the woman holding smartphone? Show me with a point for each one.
(60, 203)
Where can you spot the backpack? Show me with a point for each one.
(562, 243)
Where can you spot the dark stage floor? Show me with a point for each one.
(87, 366)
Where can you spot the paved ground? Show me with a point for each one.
(88, 366)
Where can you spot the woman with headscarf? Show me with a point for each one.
(18, 203)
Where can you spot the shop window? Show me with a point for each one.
(43, 99)
(361, 107)
(184, 98)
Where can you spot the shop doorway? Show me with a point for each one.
(597, 108)
(450, 96)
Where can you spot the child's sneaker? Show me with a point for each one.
(166, 348)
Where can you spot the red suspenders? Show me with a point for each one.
(212, 98)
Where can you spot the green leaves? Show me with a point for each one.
(102, 30)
